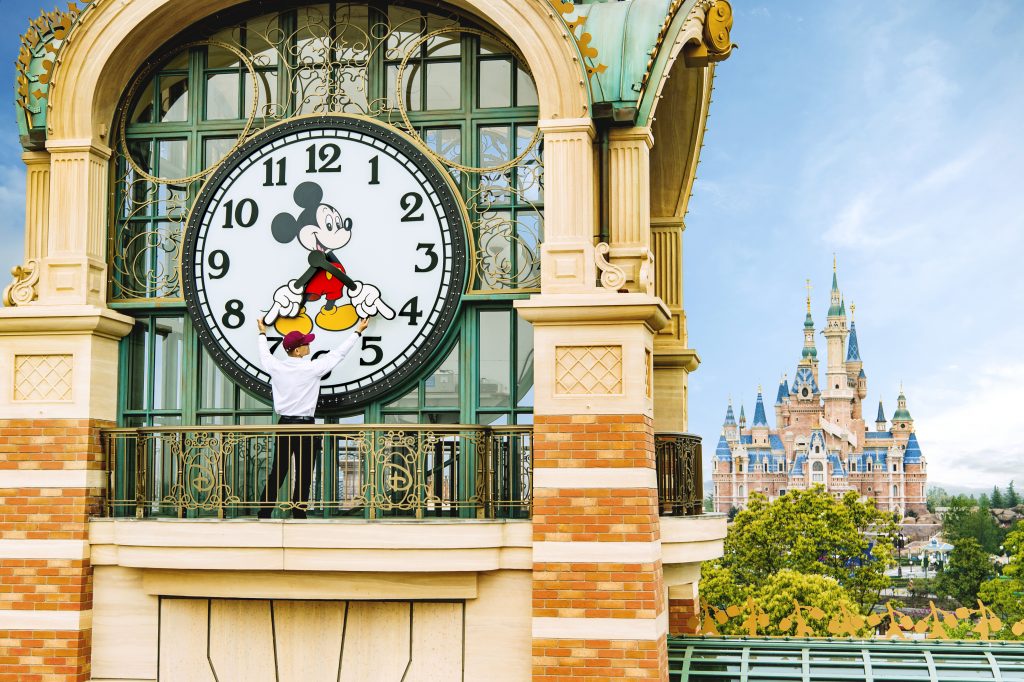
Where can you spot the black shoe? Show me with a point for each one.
(298, 513)
(264, 513)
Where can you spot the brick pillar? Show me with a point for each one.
(599, 600)
(51, 481)
(683, 609)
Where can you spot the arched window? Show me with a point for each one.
(895, 491)
(817, 466)
(468, 98)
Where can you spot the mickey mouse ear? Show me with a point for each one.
(308, 194)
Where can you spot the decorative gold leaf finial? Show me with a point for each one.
(588, 52)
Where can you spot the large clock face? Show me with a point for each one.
(312, 224)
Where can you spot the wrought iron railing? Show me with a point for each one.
(680, 474)
(368, 471)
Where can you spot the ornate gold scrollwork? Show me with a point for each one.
(715, 44)
(23, 289)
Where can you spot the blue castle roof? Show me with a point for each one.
(722, 451)
(730, 420)
(853, 354)
(913, 452)
(798, 465)
(775, 442)
(783, 391)
(804, 377)
(874, 435)
(837, 465)
(759, 417)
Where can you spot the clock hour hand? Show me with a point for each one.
(317, 260)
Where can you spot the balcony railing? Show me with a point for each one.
(378, 471)
(680, 474)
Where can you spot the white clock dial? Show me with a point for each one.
(317, 222)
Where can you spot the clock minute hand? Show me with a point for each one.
(318, 260)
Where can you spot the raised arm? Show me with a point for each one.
(266, 358)
(325, 363)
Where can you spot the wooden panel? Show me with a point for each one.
(436, 642)
(308, 639)
(376, 645)
(242, 640)
(183, 631)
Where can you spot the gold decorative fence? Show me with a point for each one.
(680, 474)
(367, 471)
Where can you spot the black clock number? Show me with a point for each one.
(233, 317)
(328, 154)
(411, 202)
(374, 171)
(245, 214)
(318, 354)
(218, 260)
(269, 165)
(274, 341)
(370, 343)
(428, 249)
(411, 310)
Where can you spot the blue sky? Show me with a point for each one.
(890, 135)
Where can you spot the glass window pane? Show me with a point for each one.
(495, 83)
(174, 98)
(400, 419)
(266, 93)
(494, 249)
(499, 419)
(261, 36)
(222, 96)
(167, 240)
(216, 148)
(251, 402)
(143, 112)
(495, 149)
(524, 363)
(407, 25)
(444, 85)
(173, 158)
(411, 88)
(524, 418)
(410, 399)
(448, 143)
(137, 369)
(352, 87)
(168, 349)
(442, 387)
(489, 45)
(528, 238)
(220, 58)
(526, 90)
(530, 171)
(495, 332)
(352, 28)
(216, 391)
(256, 419)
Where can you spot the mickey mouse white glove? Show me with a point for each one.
(366, 298)
(287, 300)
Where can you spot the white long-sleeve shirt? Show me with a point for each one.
(295, 382)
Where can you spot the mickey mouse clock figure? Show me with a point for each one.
(312, 224)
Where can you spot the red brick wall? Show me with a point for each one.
(47, 514)
(682, 617)
(596, 590)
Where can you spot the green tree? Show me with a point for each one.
(969, 566)
(964, 520)
(1005, 595)
(1012, 498)
(936, 497)
(821, 599)
(709, 502)
(808, 531)
(996, 499)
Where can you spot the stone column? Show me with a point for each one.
(567, 254)
(629, 204)
(58, 389)
(74, 267)
(673, 360)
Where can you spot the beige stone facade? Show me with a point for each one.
(129, 597)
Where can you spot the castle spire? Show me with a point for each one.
(809, 354)
(835, 308)
(743, 417)
(853, 347)
(759, 416)
(880, 419)
(783, 390)
(730, 420)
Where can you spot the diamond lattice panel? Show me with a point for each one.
(42, 377)
(588, 370)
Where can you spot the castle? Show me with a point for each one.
(821, 435)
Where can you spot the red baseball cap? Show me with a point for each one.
(293, 340)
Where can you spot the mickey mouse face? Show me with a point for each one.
(330, 232)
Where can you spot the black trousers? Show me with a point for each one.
(305, 449)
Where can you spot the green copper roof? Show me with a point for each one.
(901, 413)
(808, 322)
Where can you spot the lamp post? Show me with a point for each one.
(901, 542)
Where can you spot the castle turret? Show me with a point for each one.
(782, 404)
(729, 428)
(743, 419)
(759, 428)
(880, 420)
(854, 364)
(902, 422)
(836, 391)
(809, 354)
